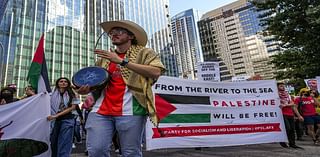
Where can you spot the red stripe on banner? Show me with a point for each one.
(215, 130)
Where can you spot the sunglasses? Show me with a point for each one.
(117, 32)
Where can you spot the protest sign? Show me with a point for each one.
(208, 71)
(212, 114)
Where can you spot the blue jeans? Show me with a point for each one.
(100, 130)
(61, 138)
(77, 135)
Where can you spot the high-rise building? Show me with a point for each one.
(72, 31)
(166, 53)
(186, 43)
(3, 6)
(232, 35)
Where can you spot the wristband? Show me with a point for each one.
(124, 62)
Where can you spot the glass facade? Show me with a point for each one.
(3, 6)
(249, 19)
(186, 43)
(72, 30)
(232, 35)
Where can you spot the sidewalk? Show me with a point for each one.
(258, 150)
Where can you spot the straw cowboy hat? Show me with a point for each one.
(138, 31)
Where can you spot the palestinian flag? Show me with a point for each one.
(165, 107)
(38, 73)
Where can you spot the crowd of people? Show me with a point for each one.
(117, 112)
(301, 115)
(120, 108)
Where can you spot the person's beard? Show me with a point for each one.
(120, 42)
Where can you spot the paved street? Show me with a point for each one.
(260, 150)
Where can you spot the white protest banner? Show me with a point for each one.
(211, 114)
(208, 71)
(24, 123)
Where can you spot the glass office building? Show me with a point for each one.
(186, 43)
(232, 35)
(72, 31)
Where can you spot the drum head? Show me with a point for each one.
(93, 76)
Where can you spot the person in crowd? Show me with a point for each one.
(87, 107)
(314, 93)
(127, 98)
(288, 110)
(28, 92)
(307, 106)
(298, 125)
(78, 119)
(63, 102)
(312, 84)
(13, 86)
(7, 96)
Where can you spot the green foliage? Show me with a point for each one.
(296, 23)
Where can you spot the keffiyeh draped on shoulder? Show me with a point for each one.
(140, 86)
(56, 100)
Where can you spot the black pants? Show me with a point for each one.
(299, 126)
(290, 127)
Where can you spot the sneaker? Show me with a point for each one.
(295, 146)
(73, 145)
(117, 150)
(284, 145)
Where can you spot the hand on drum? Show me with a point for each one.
(112, 56)
(83, 90)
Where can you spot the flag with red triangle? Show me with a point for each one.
(163, 107)
(38, 73)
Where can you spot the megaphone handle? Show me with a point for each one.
(95, 47)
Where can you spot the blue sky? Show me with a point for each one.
(203, 6)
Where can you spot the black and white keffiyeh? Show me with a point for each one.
(56, 101)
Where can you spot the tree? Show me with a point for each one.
(296, 23)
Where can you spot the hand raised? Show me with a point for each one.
(110, 55)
